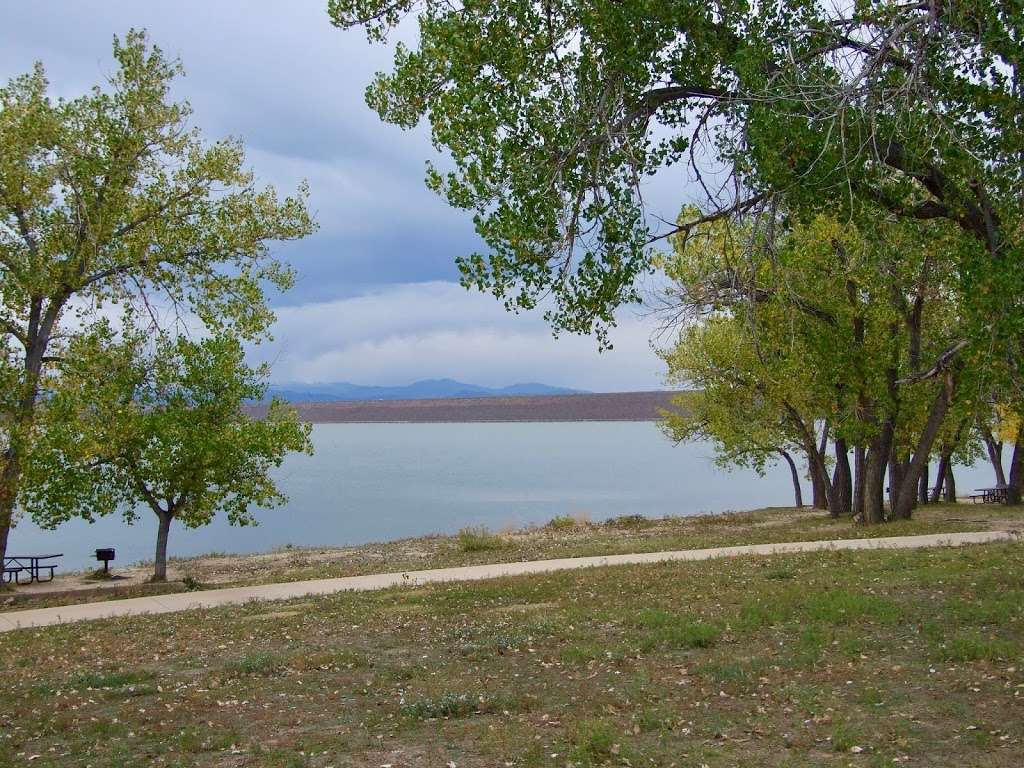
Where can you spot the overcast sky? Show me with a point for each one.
(377, 299)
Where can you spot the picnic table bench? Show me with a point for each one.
(995, 495)
(17, 565)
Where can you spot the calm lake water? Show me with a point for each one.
(374, 482)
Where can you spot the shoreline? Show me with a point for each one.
(562, 537)
(313, 588)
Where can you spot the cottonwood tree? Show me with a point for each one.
(554, 112)
(160, 425)
(728, 409)
(826, 323)
(111, 200)
(748, 406)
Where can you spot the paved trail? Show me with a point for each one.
(183, 601)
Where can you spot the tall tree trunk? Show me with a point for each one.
(1015, 491)
(815, 457)
(858, 481)
(940, 406)
(160, 561)
(820, 481)
(819, 472)
(896, 470)
(940, 474)
(949, 484)
(20, 419)
(8, 495)
(881, 447)
(945, 483)
(818, 497)
(5, 530)
(842, 482)
(922, 486)
(994, 448)
(10, 474)
(874, 475)
(798, 495)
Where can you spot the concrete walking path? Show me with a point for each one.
(183, 601)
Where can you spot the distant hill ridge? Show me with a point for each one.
(428, 389)
(608, 406)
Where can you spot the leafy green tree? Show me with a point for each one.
(823, 323)
(555, 111)
(162, 428)
(729, 408)
(112, 202)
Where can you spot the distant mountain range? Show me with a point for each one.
(428, 389)
(608, 406)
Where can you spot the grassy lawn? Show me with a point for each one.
(842, 658)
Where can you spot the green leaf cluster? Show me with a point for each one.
(121, 224)
(159, 423)
(555, 113)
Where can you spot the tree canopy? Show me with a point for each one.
(814, 324)
(160, 424)
(111, 203)
(554, 112)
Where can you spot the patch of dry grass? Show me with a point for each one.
(562, 537)
(478, 539)
(865, 658)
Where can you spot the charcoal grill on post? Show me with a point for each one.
(105, 556)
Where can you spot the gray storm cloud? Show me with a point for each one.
(375, 299)
(434, 330)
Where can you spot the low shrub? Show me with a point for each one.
(562, 523)
(478, 539)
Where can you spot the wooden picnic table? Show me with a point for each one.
(16, 565)
(994, 495)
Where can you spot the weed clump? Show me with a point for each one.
(108, 679)
(593, 742)
(675, 630)
(478, 539)
(974, 646)
(629, 521)
(561, 523)
(259, 664)
(190, 583)
(453, 705)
